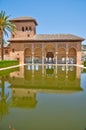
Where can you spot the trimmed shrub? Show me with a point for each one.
(8, 63)
(85, 63)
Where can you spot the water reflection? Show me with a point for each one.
(3, 97)
(23, 98)
(48, 97)
(27, 81)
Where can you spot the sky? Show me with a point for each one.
(52, 16)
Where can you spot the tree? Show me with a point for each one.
(5, 27)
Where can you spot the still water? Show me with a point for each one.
(43, 98)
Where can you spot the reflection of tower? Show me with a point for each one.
(18, 73)
(24, 98)
(3, 99)
(21, 71)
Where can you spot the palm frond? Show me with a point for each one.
(5, 23)
(5, 26)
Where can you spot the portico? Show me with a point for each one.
(29, 47)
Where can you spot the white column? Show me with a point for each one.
(32, 53)
(56, 57)
(42, 53)
(66, 53)
(66, 57)
(56, 54)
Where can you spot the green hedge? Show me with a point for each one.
(85, 63)
(7, 63)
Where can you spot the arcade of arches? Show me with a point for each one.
(50, 54)
(29, 47)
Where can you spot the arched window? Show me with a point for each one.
(26, 28)
(13, 35)
(30, 28)
(28, 35)
(13, 50)
(34, 30)
(23, 29)
(6, 52)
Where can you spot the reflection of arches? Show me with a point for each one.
(61, 73)
(49, 72)
(72, 75)
(61, 55)
(37, 55)
(72, 55)
(27, 55)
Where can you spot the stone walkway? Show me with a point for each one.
(12, 67)
(39, 64)
(81, 66)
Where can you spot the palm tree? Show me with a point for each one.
(5, 27)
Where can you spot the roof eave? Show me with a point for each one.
(23, 20)
(52, 40)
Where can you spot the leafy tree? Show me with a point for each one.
(5, 27)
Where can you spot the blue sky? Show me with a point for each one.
(53, 16)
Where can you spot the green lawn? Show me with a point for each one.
(8, 63)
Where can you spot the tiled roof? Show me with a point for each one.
(50, 37)
(56, 37)
(24, 19)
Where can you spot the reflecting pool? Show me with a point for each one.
(46, 97)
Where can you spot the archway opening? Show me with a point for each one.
(61, 56)
(38, 55)
(72, 56)
(27, 56)
(49, 53)
(49, 57)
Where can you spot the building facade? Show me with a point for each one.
(29, 47)
(83, 52)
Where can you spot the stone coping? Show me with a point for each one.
(44, 65)
(12, 67)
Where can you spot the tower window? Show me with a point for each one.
(34, 30)
(26, 28)
(13, 50)
(23, 29)
(13, 35)
(28, 35)
(30, 28)
(6, 51)
(18, 59)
